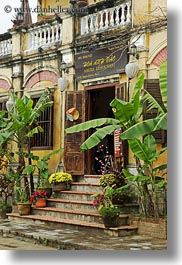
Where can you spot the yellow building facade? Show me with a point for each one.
(76, 46)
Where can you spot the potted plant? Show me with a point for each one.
(40, 167)
(60, 180)
(22, 199)
(108, 211)
(6, 194)
(39, 198)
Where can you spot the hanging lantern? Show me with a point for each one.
(131, 69)
(10, 104)
(63, 83)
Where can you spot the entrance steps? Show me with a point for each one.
(73, 209)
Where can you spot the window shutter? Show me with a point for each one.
(152, 86)
(120, 93)
(73, 157)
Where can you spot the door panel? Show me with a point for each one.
(73, 157)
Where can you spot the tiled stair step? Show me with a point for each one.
(75, 215)
(71, 204)
(75, 195)
(129, 208)
(83, 186)
(79, 225)
(92, 178)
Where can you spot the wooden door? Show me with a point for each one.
(74, 159)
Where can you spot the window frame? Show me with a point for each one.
(50, 122)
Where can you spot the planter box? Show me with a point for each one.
(148, 226)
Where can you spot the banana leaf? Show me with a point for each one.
(98, 136)
(163, 82)
(84, 126)
(144, 151)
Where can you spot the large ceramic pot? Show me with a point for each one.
(40, 202)
(59, 186)
(111, 221)
(24, 208)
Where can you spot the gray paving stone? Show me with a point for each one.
(74, 239)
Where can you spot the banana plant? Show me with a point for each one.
(126, 114)
(21, 125)
(149, 177)
(160, 122)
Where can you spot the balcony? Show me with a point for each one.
(44, 35)
(106, 19)
(6, 46)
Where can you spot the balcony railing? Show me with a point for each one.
(44, 35)
(6, 47)
(108, 18)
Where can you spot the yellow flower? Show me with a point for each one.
(60, 177)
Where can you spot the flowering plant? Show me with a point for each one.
(98, 200)
(103, 202)
(38, 194)
(60, 177)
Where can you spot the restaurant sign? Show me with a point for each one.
(101, 62)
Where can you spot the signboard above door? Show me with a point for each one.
(100, 62)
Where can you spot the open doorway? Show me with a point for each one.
(98, 107)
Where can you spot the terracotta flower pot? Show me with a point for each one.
(61, 186)
(24, 208)
(40, 202)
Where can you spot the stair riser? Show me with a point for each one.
(74, 216)
(129, 210)
(92, 180)
(86, 188)
(121, 233)
(75, 197)
(90, 230)
(75, 206)
(69, 216)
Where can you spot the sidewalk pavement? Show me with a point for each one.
(69, 239)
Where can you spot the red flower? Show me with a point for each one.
(38, 194)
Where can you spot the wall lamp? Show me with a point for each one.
(73, 2)
(133, 51)
(65, 67)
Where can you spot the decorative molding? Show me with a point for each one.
(160, 57)
(41, 75)
(4, 84)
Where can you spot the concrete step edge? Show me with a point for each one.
(85, 184)
(69, 201)
(72, 222)
(61, 210)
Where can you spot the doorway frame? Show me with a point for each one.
(88, 155)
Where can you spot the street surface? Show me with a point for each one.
(8, 243)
